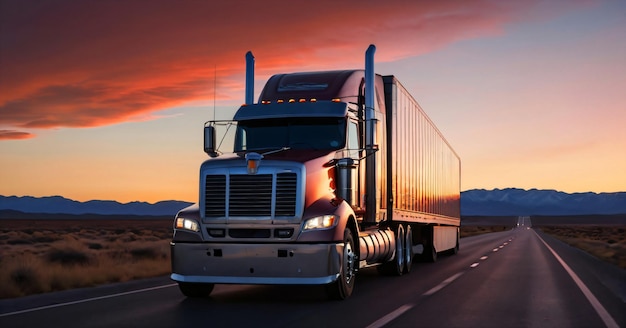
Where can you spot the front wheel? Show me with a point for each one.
(191, 289)
(342, 288)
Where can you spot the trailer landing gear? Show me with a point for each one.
(430, 253)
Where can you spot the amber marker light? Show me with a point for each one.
(252, 162)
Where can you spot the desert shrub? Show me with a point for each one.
(129, 237)
(26, 279)
(23, 276)
(40, 237)
(19, 242)
(144, 253)
(94, 246)
(67, 256)
(116, 254)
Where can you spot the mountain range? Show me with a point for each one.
(516, 202)
(61, 205)
(475, 202)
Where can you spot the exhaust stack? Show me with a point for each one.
(370, 136)
(249, 78)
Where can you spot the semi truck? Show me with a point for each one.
(331, 172)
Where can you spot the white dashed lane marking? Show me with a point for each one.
(402, 309)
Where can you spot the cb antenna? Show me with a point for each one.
(214, 88)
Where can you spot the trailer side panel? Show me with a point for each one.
(423, 170)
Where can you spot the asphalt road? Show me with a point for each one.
(506, 279)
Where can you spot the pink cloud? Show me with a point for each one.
(15, 135)
(93, 63)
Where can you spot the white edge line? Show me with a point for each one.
(391, 316)
(442, 284)
(602, 312)
(85, 300)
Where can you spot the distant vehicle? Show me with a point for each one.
(331, 172)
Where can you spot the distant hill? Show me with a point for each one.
(475, 202)
(512, 201)
(61, 205)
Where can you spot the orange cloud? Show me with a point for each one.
(14, 135)
(92, 63)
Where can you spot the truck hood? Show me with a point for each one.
(295, 155)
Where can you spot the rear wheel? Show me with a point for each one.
(342, 288)
(396, 266)
(408, 249)
(191, 289)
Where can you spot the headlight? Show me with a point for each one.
(320, 222)
(187, 224)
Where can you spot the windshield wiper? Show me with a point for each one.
(271, 150)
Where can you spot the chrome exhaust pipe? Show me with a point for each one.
(249, 78)
(370, 137)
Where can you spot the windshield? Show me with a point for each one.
(295, 133)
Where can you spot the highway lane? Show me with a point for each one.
(506, 279)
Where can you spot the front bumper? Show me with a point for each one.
(300, 264)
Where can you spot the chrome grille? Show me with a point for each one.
(251, 195)
(215, 196)
(286, 184)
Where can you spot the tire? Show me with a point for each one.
(343, 287)
(396, 266)
(408, 248)
(194, 290)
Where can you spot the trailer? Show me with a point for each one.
(330, 172)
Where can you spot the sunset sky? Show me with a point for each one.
(107, 99)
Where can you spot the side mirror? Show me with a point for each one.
(209, 140)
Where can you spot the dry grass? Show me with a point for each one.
(607, 243)
(39, 256)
